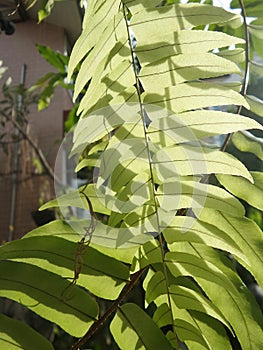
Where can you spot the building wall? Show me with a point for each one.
(46, 127)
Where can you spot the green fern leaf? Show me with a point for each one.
(132, 328)
(100, 274)
(42, 291)
(17, 335)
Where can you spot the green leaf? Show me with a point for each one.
(40, 82)
(189, 126)
(181, 16)
(241, 188)
(195, 329)
(30, 4)
(78, 200)
(43, 291)
(235, 55)
(109, 44)
(186, 298)
(249, 4)
(48, 92)
(154, 286)
(17, 335)
(188, 229)
(162, 315)
(256, 30)
(56, 59)
(147, 254)
(71, 118)
(56, 228)
(254, 9)
(213, 332)
(93, 26)
(191, 160)
(189, 96)
(186, 264)
(188, 194)
(100, 274)
(186, 326)
(256, 45)
(256, 67)
(248, 143)
(245, 233)
(125, 255)
(120, 244)
(256, 105)
(100, 123)
(45, 8)
(188, 333)
(113, 79)
(137, 5)
(133, 329)
(180, 68)
(183, 43)
(228, 293)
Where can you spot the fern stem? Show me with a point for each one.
(246, 73)
(160, 237)
(98, 324)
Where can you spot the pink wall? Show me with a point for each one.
(46, 127)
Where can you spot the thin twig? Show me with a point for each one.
(38, 151)
(97, 325)
(82, 246)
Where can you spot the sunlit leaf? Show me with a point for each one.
(223, 287)
(236, 55)
(187, 194)
(248, 143)
(42, 291)
(132, 329)
(246, 234)
(188, 229)
(189, 96)
(100, 274)
(77, 199)
(17, 335)
(241, 188)
(256, 105)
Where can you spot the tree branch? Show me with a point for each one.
(97, 325)
(38, 151)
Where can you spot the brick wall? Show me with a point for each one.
(46, 127)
